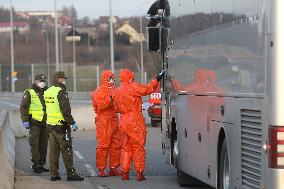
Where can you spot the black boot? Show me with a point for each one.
(37, 170)
(55, 178)
(44, 170)
(75, 178)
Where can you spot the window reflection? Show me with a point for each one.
(248, 8)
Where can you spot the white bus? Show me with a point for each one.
(223, 95)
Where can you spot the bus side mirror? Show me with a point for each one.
(154, 36)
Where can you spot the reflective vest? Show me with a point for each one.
(36, 108)
(53, 112)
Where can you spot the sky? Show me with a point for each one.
(91, 8)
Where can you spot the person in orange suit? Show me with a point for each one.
(128, 102)
(107, 131)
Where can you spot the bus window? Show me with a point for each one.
(247, 8)
(222, 11)
(181, 8)
(203, 14)
(182, 17)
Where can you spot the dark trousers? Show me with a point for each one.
(60, 141)
(38, 143)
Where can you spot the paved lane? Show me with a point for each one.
(158, 173)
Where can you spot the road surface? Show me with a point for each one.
(159, 175)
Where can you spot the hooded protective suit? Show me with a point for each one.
(128, 102)
(107, 130)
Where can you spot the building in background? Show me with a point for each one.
(21, 27)
(40, 15)
(103, 23)
(134, 35)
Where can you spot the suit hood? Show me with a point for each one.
(126, 76)
(105, 75)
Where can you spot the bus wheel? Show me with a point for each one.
(187, 180)
(224, 167)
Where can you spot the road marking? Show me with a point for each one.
(103, 187)
(91, 170)
(79, 155)
(10, 104)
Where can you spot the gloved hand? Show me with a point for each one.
(160, 75)
(26, 125)
(74, 127)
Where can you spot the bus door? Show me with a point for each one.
(168, 128)
(192, 135)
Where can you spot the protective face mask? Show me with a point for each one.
(111, 83)
(64, 82)
(41, 85)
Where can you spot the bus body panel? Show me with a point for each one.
(274, 178)
(224, 73)
(199, 158)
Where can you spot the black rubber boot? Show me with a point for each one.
(55, 178)
(75, 178)
(37, 170)
(44, 170)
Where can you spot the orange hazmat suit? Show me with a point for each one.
(128, 102)
(108, 135)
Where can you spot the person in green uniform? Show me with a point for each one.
(59, 120)
(34, 118)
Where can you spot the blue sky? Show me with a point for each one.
(91, 8)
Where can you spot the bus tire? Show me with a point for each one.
(224, 177)
(184, 179)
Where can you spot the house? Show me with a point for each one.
(46, 17)
(21, 27)
(103, 23)
(134, 36)
(40, 15)
(88, 30)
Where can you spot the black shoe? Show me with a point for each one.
(44, 170)
(75, 178)
(55, 178)
(37, 170)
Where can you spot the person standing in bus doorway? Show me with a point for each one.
(128, 102)
(33, 115)
(59, 120)
(107, 131)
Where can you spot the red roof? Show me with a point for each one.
(16, 24)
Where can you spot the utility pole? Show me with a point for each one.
(12, 48)
(111, 37)
(74, 54)
(56, 36)
(47, 56)
(61, 48)
(141, 42)
(141, 50)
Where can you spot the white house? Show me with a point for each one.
(17, 26)
(134, 36)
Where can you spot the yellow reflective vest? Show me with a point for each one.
(53, 112)
(36, 108)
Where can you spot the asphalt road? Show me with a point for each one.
(158, 173)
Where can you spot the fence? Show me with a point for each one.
(87, 76)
